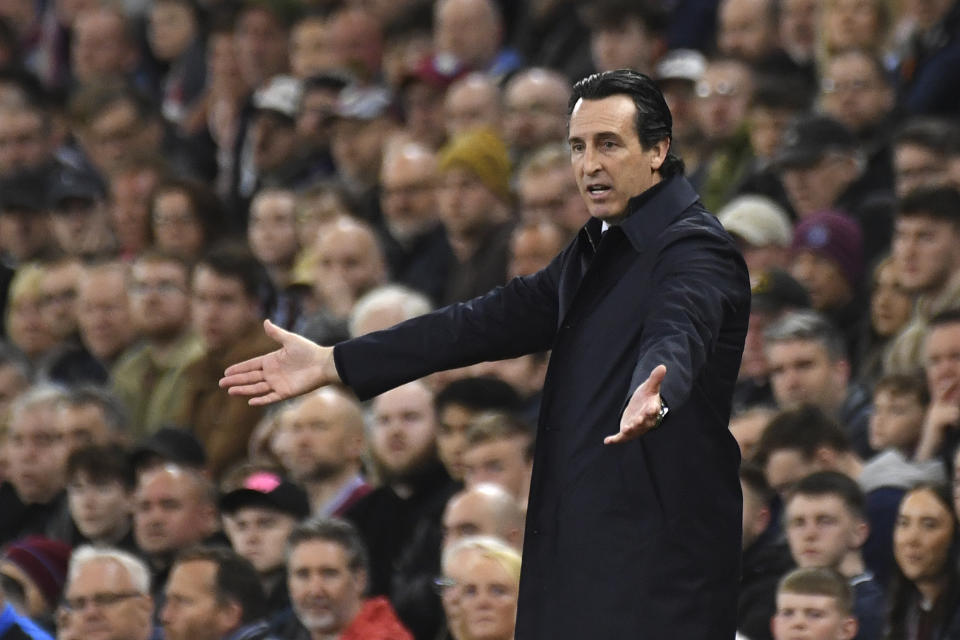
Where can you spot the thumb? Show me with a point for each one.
(653, 383)
(274, 332)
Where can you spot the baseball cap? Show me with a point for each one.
(809, 138)
(759, 221)
(363, 103)
(281, 94)
(267, 489)
(681, 64)
(23, 191)
(775, 290)
(170, 444)
(74, 184)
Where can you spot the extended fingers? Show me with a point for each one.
(256, 389)
(253, 364)
(238, 379)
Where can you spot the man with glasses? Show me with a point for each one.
(107, 596)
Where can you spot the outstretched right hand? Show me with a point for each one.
(298, 366)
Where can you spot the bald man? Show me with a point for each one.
(472, 102)
(320, 443)
(536, 110)
(483, 510)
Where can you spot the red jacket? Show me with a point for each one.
(376, 621)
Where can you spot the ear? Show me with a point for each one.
(848, 628)
(658, 154)
(229, 616)
(825, 459)
(861, 531)
(361, 577)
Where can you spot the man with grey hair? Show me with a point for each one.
(32, 499)
(90, 415)
(536, 110)
(327, 569)
(107, 596)
(809, 365)
(386, 306)
(485, 509)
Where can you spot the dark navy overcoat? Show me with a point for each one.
(637, 540)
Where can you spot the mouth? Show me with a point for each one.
(598, 191)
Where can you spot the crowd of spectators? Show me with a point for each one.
(174, 172)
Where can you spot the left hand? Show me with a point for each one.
(643, 409)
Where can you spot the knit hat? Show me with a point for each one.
(44, 561)
(483, 154)
(833, 236)
(758, 220)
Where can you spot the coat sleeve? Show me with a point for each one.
(700, 302)
(509, 321)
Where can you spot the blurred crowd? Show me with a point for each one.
(174, 172)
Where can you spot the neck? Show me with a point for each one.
(163, 345)
(851, 565)
(111, 538)
(851, 465)
(279, 274)
(930, 589)
(323, 490)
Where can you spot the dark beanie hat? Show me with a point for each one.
(44, 561)
(833, 236)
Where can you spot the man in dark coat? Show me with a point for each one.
(633, 533)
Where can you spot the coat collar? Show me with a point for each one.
(649, 213)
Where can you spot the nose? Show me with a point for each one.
(591, 160)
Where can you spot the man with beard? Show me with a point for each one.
(400, 521)
(320, 444)
(148, 378)
(327, 570)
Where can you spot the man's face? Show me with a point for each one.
(468, 29)
(126, 618)
(325, 592)
(471, 103)
(315, 117)
(451, 438)
(533, 247)
(59, 303)
(468, 515)
(464, 203)
(80, 425)
(926, 252)
(609, 163)
(273, 230)
(261, 43)
(852, 24)
(176, 227)
(628, 45)
(36, 455)
(798, 27)
(99, 46)
(23, 234)
(801, 372)
(404, 429)
(101, 509)
(259, 534)
(553, 196)
(756, 516)
(896, 421)
(115, 134)
(536, 106)
(823, 279)
(103, 313)
(915, 166)
(502, 462)
(941, 362)
(172, 28)
(348, 258)
(816, 187)
(765, 127)
(310, 52)
(169, 511)
(23, 140)
(80, 225)
(821, 530)
(222, 310)
(811, 617)
(723, 96)
(408, 195)
(746, 30)
(191, 610)
(786, 467)
(320, 437)
(357, 147)
(274, 140)
(853, 92)
(159, 299)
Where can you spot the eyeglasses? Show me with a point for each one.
(704, 89)
(143, 288)
(443, 584)
(830, 86)
(100, 600)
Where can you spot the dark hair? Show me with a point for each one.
(236, 580)
(904, 384)
(939, 203)
(333, 530)
(753, 477)
(113, 410)
(103, 464)
(935, 134)
(903, 592)
(654, 122)
(479, 394)
(204, 205)
(777, 92)
(234, 260)
(611, 14)
(833, 483)
(945, 317)
(10, 356)
(805, 429)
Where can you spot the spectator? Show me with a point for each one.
(327, 573)
(422, 91)
(24, 234)
(225, 309)
(762, 229)
(168, 445)
(535, 101)
(23, 318)
(355, 41)
(475, 210)
(78, 214)
(384, 307)
(940, 348)
(470, 34)
(100, 492)
(260, 37)
(320, 442)
(184, 219)
(927, 72)
(258, 517)
(400, 521)
(314, 121)
(310, 52)
(108, 595)
(920, 154)
(25, 144)
(213, 593)
(272, 237)
(472, 102)
(814, 603)
(891, 308)
(59, 288)
(32, 497)
(175, 40)
(499, 450)
(90, 415)
(625, 35)
(809, 364)
(102, 46)
(149, 380)
(847, 25)
(747, 30)
(747, 427)
(547, 190)
(798, 29)
(533, 246)
(483, 510)
(481, 599)
(15, 378)
(924, 594)
(37, 569)
(677, 74)
(826, 525)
